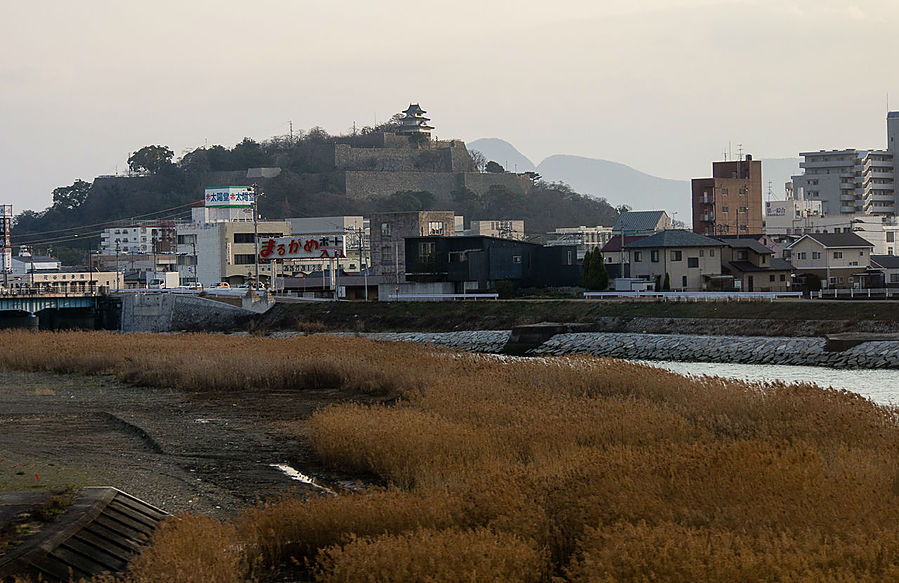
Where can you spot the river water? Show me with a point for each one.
(879, 385)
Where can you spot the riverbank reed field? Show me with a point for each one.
(562, 469)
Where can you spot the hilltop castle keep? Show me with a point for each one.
(415, 123)
(380, 164)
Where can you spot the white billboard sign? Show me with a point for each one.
(229, 196)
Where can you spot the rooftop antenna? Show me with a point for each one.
(770, 189)
(291, 130)
(740, 150)
(725, 154)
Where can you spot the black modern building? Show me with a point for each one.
(479, 262)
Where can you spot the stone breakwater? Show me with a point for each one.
(804, 351)
(737, 349)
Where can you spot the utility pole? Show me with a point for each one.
(255, 235)
(117, 285)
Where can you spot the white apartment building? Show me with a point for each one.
(503, 229)
(585, 238)
(852, 181)
(132, 239)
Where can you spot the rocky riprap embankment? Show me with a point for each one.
(474, 341)
(739, 349)
(681, 347)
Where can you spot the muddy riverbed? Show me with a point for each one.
(213, 453)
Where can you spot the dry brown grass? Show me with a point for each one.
(429, 555)
(595, 469)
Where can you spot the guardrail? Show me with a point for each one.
(860, 294)
(421, 297)
(693, 296)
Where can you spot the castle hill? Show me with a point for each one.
(391, 355)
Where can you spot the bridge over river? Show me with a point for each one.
(51, 311)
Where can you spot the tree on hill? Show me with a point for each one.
(152, 159)
(494, 167)
(71, 197)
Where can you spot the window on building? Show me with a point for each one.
(517, 258)
(435, 228)
(724, 209)
(724, 192)
(386, 254)
(683, 280)
(891, 236)
(894, 278)
(801, 255)
(771, 277)
(677, 255)
(243, 258)
(816, 255)
(654, 255)
(783, 277)
(711, 252)
(385, 229)
(427, 248)
(837, 254)
(692, 261)
(243, 238)
(741, 254)
(638, 257)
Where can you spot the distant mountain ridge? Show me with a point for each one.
(619, 183)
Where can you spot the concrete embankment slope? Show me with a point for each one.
(166, 312)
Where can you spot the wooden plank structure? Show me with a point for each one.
(98, 533)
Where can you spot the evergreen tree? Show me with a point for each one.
(666, 286)
(595, 276)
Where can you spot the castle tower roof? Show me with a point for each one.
(414, 122)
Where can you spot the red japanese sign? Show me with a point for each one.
(302, 247)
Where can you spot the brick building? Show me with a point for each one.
(730, 202)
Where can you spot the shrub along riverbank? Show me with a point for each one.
(578, 468)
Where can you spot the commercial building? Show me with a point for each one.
(730, 202)
(220, 245)
(355, 231)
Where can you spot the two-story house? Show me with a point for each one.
(691, 261)
(838, 259)
(754, 266)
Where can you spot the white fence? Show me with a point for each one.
(432, 297)
(692, 296)
(877, 293)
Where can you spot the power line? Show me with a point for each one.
(113, 222)
(80, 236)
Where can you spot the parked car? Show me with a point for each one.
(223, 285)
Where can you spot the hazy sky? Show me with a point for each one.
(661, 85)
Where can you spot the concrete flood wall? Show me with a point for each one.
(166, 312)
(807, 351)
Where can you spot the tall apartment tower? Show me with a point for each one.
(730, 202)
(851, 182)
